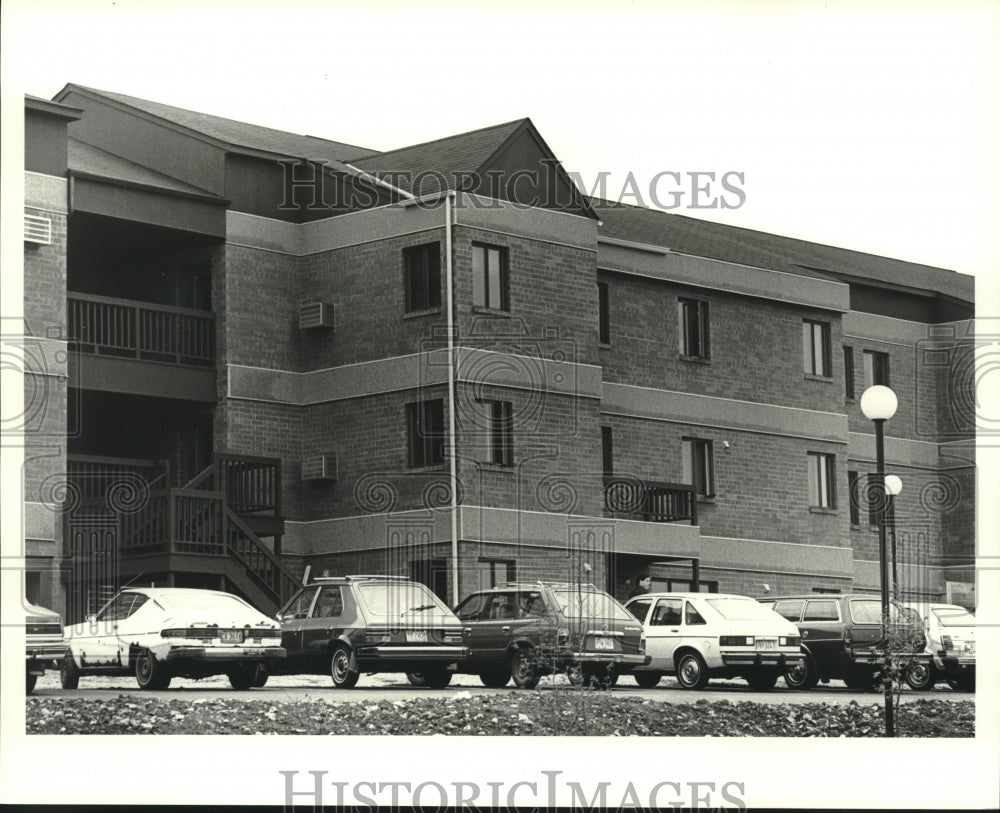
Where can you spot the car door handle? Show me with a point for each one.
(505, 628)
(677, 630)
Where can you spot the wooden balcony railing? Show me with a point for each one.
(99, 481)
(632, 498)
(122, 327)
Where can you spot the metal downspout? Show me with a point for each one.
(452, 438)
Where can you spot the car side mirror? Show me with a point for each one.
(279, 617)
(92, 618)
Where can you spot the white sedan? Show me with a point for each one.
(158, 633)
(695, 636)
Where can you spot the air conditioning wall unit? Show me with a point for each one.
(37, 230)
(320, 468)
(313, 315)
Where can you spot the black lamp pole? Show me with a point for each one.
(883, 560)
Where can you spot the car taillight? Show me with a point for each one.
(174, 633)
(946, 642)
(562, 636)
(642, 644)
(452, 636)
(789, 640)
(376, 637)
(736, 640)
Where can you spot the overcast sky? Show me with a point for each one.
(867, 126)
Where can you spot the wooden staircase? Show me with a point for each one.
(211, 525)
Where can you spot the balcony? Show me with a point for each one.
(117, 339)
(125, 328)
(650, 501)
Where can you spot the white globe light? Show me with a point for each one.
(893, 485)
(878, 403)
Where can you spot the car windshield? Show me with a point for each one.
(203, 601)
(394, 599)
(590, 604)
(740, 609)
(954, 617)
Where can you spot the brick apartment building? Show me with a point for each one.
(253, 353)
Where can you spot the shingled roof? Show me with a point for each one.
(452, 156)
(233, 133)
(688, 235)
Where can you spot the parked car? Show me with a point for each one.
(950, 631)
(698, 636)
(45, 646)
(346, 625)
(842, 637)
(159, 633)
(526, 631)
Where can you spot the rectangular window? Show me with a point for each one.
(821, 479)
(697, 466)
(849, 373)
(607, 451)
(496, 571)
(816, 348)
(854, 487)
(499, 432)
(489, 277)
(425, 433)
(604, 313)
(693, 320)
(422, 277)
(876, 368)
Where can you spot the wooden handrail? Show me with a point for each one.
(137, 303)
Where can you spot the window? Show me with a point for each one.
(299, 606)
(693, 319)
(691, 616)
(821, 480)
(604, 313)
(876, 368)
(489, 277)
(816, 348)
(849, 373)
(607, 451)
(499, 432)
(697, 466)
(789, 608)
(853, 486)
(123, 606)
(667, 612)
(687, 586)
(425, 433)
(422, 273)
(639, 608)
(330, 603)
(821, 610)
(496, 571)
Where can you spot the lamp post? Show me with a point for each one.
(893, 485)
(879, 404)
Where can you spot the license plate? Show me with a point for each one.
(417, 636)
(767, 643)
(970, 647)
(604, 643)
(231, 636)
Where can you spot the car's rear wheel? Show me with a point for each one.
(32, 680)
(495, 678)
(802, 676)
(647, 680)
(430, 678)
(921, 676)
(343, 669)
(763, 680)
(69, 674)
(149, 672)
(242, 676)
(691, 671)
(523, 669)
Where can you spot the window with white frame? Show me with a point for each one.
(698, 467)
(693, 320)
(816, 348)
(489, 277)
(822, 493)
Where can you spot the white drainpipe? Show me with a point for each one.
(452, 438)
